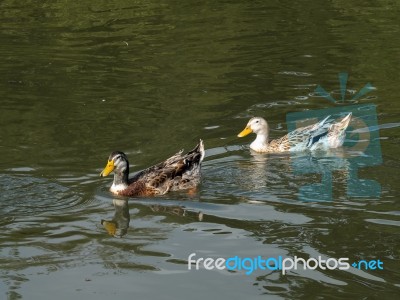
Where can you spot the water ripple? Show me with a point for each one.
(19, 194)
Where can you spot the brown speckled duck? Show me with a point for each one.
(179, 172)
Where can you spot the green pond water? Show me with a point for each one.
(80, 79)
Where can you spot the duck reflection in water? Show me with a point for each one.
(302, 176)
(119, 224)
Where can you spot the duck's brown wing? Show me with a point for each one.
(156, 168)
(180, 171)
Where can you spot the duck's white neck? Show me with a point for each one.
(116, 188)
(260, 144)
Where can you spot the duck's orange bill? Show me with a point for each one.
(108, 169)
(245, 132)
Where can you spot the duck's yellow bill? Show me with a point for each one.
(245, 132)
(108, 169)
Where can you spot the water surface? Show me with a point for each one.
(80, 80)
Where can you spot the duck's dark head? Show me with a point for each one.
(117, 162)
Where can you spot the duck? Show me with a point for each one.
(322, 135)
(179, 172)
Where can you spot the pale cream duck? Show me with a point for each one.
(323, 135)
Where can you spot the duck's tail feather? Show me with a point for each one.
(337, 132)
(341, 126)
(345, 121)
(198, 153)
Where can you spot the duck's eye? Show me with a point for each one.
(257, 121)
